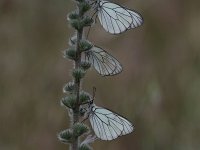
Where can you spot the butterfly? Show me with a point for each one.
(104, 63)
(108, 125)
(114, 18)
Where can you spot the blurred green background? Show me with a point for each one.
(158, 90)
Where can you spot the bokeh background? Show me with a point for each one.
(158, 90)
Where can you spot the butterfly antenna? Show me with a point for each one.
(94, 91)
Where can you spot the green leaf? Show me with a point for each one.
(73, 15)
(79, 129)
(78, 74)
(84, 7)
(70, 53)
(66, 136)
(84, 97)
(85, 45)
(76, 23)
(69, 101)
(69, 87)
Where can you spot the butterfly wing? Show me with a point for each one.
(128, 127)
(137, 19)
(116, 19)
(108, 125)
(104, 63)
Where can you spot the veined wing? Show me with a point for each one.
(116, 19)
(108, 125)
(104, 63)
(137, 19)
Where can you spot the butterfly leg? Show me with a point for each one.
(85, 119)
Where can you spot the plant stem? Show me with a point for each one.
(75, 116)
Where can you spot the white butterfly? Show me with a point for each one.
(104, 63)
(114, 18)
(107, 125)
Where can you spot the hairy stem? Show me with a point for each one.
(75, 144)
